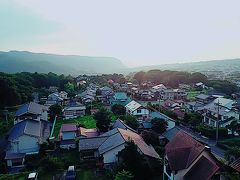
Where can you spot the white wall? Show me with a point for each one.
(25, 144)
(111, 156)
(143, 112)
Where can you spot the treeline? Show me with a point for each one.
(18, 88)
(169, 78)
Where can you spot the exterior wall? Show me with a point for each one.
(143, 112)
(68, 135)
(44, 115)
(25, 144)
(171, 124)
(111, 156)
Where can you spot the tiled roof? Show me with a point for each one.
(67, 142)
(171, 133)
(236, 165)
(120, 96)
(31, 107)
(133, 105)
(88, 132)
(144, 148)
(14, 155)
(68, 127)
(202, 96)
(120, 124)
(203, 169)
(28, 127)
(91, 143)
(184, 149)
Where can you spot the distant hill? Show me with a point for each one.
(228, 65)
(23, 61)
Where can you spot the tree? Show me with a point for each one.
(233, 126)
(159, 125)
(130, 121)
(118, 109)
(150, 137)
(232, 154)
(55, 110)
(103, 120)
(124, 175)
(193, 119)
(139, 76)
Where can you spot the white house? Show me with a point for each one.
(68, 134)
(136, 109)
(109, 144)
(173, 94)
(74, 110)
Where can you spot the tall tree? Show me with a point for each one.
(118, 109)
(103, 120)
(159, 125)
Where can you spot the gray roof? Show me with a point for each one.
(170, 134)
(28, 127)
(202, 96)
(32, 108)
(91, 143)
(120, 124)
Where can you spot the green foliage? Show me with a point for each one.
(233, 126)
(124, 175)
(55, 110)
(223, 86)
(18, 88)
(211, 132)
(130, 121)
(169, 78)
(159, 125)
(232, 154)
(150, 137)
(50, 163)
(192, 119)
(118, 109)
(103, 120)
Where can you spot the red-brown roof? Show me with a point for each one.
(68, 127)
(236, 165)
(182, 150)
(88, 132)
(203, 169)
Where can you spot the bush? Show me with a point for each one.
(211, 132)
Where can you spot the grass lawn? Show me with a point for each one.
(89, 175)
(87, 121)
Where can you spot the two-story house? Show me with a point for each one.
(68, 134)
(136, 109)
(187, 159)
(74, 110)
(173, 94)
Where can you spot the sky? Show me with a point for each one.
(138, 32)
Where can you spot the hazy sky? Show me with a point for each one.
(139, 32)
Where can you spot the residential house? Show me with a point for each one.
(173, 94)
(54, 98)
(31, 110)
(74, 110)
(175, 106)
(25, 137)
(136, 109)
(120, 98)
(63, 95)
(200, 101)
(214, 113)
(186, 158)
(108, 145)
(68, 134)
(84, 132)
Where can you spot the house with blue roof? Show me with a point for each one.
(120, 98)
(31, 110)
(25, 138)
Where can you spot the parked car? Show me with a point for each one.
(33, 176)
(71, 173)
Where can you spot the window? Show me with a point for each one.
(139, 111)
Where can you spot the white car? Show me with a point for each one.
(33, 176)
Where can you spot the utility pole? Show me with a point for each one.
(217, 124)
